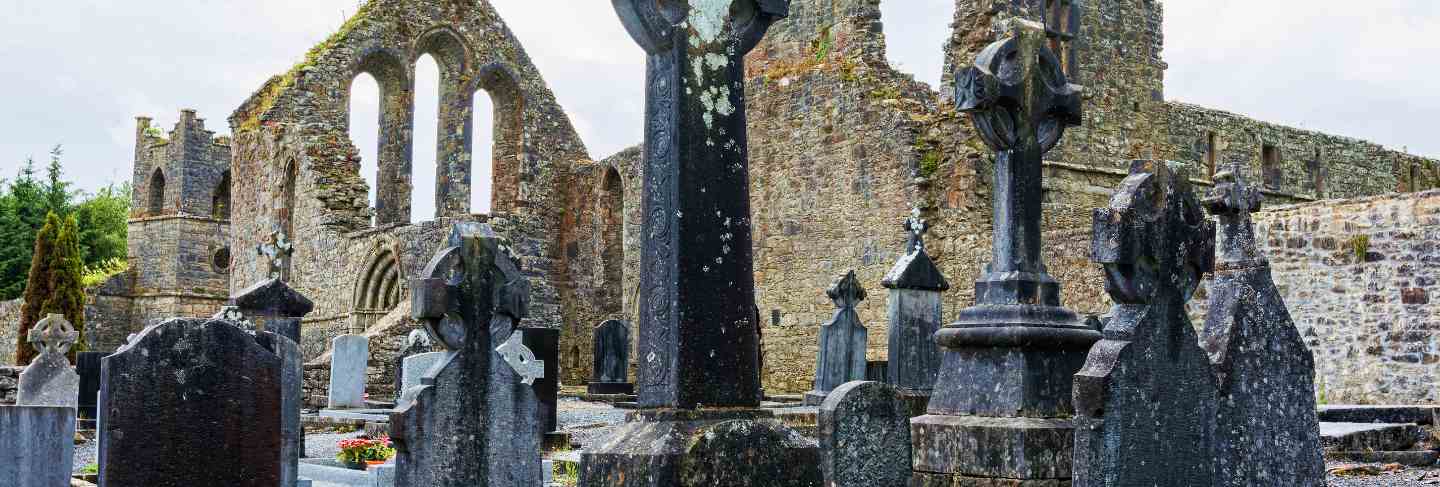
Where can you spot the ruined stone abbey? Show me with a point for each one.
(842, 147)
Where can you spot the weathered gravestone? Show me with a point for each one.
(545, 344)
(37, 445)
(1266, 430)
(841, 356)
(278, 309)
(1145, 401)
(49, 380)
(915, 314)
(865, 436)
(349, 361)
(472, 421)
(191, 402)
(1001, 407)
(414, 369)
(417, 343)
(612, 359)
(699, 354)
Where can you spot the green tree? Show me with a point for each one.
(57, 189)
(54, 282)
(103, 225)
(23, 207)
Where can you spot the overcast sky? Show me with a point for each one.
(77, 72)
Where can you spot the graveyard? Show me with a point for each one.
(813, 270)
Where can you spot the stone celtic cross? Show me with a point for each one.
(1021, 102)
(1232, 201)
(847, 292)
(699, 344)
(277, 251)
(53, 335)
(916, 227)
(1154, 240)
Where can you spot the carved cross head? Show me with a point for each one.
(1153, 239)
(1232, 195)
(277, 250)
(521, 359)
(916, 228)
(1017, 92)
(53, 335)
(477, 265)
(705, 25)
(847, 292)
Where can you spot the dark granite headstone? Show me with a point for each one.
(865, 436)
(1145, 401)
(87, 364)
(915, 314)
(699, 337)
(472, 421)
(545, 343)
(612, 359)
(190, 402)
(1266, 427)
(877, 370)
(841, 355)
(1001, 406)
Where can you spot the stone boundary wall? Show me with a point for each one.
(1361, 278)
(9, 384)
(9, 326)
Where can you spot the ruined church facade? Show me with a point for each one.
(843, 146)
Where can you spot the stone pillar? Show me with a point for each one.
(396, 149)
(1001, 407)
(472, 420)
(841, 355)
(453, 153)
(38, 445)
(273, 306)
(915, 315)
(699, 340)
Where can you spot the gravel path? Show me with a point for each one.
(326, 445)
(1406, 477)
(85, 454)
(589, 423)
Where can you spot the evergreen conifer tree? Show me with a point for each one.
(37, 287)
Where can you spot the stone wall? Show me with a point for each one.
(9, 326)
(1361, 278)
(9, 384)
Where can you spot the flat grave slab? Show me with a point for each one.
(368, 415)
(1350, 413)
(1368, 436)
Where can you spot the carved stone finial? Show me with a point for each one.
(1232, 195)
(916, 227)
(54, 334)
(277, 251)
(847, 292)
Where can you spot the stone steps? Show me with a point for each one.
(1360, 437)
(1380, 414)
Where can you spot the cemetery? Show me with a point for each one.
(1139, 299)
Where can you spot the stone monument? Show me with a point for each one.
(472, 420)
(277, 308)
(915, 314)
(612, 359)
(1266, 428)
(87, 365)
(414, 369)
(865, 436)
(37, 445)
(191, 402)
(700, 421)
(1145, 401)
(1001, 407)
(49, 380)
(349, 364)
(841, 355)
(417, 343)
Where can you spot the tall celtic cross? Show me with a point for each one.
(1021, 102)
(698, 337)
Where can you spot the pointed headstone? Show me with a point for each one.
(1004, 383)
(181, 391)
(841, 355)
(1266, 427)
(915, 312)
(274, 306)
(1146, 398)
(612, 359)
(699, 343)
(49, 380)
(472, 420)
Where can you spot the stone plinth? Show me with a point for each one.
(349, 359)
(693, 448)
(37, 445)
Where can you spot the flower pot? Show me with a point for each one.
(354, 465)
(372, 463)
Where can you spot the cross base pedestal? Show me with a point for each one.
(705, 447)
(991, 451)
